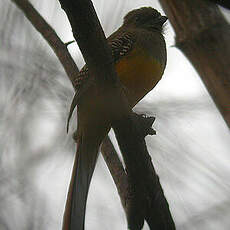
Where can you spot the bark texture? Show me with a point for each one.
(145, 198)
(203, 35)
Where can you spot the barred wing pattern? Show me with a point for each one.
(120, 46)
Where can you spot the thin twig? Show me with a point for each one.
(116, 169)
(48, 33)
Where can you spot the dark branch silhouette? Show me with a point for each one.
(90, 37)
(108, 151)
(203, 34)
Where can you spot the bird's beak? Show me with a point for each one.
(163, 19)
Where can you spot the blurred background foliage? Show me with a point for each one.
(190, 151)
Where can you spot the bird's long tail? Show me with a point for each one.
(86, 157)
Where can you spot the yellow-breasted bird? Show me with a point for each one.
(139, 54)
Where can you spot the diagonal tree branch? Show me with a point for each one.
(203, 34)
(90, 37)
(145, 196)
(109, 153)
(91, 40)
(48, 33)
(116, 169)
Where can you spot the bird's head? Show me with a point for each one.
(145, 17)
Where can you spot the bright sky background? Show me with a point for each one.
(190, 150)
(191, 130)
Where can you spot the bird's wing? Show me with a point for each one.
(121, 44)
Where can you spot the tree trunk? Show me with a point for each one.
(203, 35)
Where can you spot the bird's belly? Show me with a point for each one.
(139, 73)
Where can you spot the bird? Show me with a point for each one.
(139, 54)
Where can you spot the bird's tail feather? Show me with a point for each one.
(86, 157)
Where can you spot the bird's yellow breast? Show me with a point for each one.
(139, 73)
